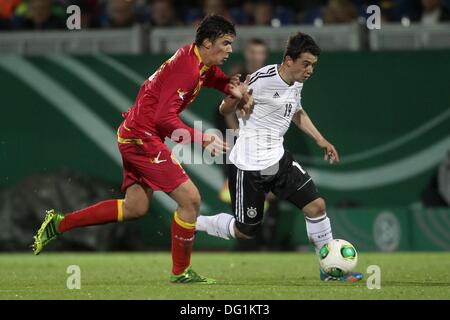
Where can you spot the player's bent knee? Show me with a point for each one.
(197, 201)
(246, 231)
(193, 202)
(141, 211)
(134, 211)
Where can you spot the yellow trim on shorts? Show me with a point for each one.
(132, 141)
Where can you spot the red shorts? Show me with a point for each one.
(149, 161)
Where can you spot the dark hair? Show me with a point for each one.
(300, 43)
(213, 27)
(256, 41)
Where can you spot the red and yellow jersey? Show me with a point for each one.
(169, 91)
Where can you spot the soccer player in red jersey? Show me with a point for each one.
(148, 165)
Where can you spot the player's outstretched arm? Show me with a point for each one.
(303, 121)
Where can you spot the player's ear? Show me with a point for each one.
(207, 43)
(288, 60)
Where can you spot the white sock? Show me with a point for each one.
(220, 225)
(319, 231)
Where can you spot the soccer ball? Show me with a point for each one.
(338, 257)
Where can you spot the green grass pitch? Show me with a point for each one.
(267, 276)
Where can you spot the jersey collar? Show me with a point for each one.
(279, 76)
(203, 68)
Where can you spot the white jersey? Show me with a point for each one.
(260, 141)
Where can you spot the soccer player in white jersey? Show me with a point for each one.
(261, 164)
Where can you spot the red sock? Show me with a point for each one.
(100, 213)
(182, 240)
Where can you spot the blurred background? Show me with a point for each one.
(381, 96)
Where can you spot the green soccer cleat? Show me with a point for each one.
(48, 230)
(190, 276)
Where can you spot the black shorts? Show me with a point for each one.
(286, 179)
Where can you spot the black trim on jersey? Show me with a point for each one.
(262, 76)
(259, 73)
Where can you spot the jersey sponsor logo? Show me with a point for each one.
(156, 160)
(276, 95)
(251, 212)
